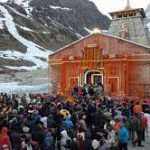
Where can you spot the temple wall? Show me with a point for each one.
(139, 78)
(148, 35)
(126, 65)
(54, 77)
(110, 45)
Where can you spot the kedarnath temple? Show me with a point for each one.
(120, 59)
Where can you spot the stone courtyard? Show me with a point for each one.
(146, 145)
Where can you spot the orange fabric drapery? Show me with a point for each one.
(71, 67)
(91, 57)
(63, 76)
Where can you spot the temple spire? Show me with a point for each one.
(128, 5)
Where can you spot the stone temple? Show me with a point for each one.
(129, 24)
(119, 59)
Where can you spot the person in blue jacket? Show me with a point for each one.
(123, 137)
(68, 122)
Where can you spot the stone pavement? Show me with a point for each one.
(146, 145)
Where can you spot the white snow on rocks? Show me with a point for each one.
(61, 8)
(25, 5)
(88, 30)
(25, 28)
(34, 51)
(1, 23)
(15, 88)
(3, 1)
(18, 13)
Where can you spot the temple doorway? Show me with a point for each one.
(93, 76)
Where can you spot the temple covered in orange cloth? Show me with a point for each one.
(119, 60)
(122, 66)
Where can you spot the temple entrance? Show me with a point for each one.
(93, 76)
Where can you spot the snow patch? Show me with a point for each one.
(11, 54)
(148, 25)
(148, 15)
(79, 35)
(45, 32)
(3, 1)
(15, 88)
(88, 30)
(46, 24)
(70, 28)
(25, 5)
(104, 31)
(25, 28)
(1, 23)
(24, 68)
(57, 7)
(18, 13)
(48, 17)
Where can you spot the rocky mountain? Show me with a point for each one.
(32, 29)
(74, 14)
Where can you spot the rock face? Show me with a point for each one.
(31, 29)
(74, 14)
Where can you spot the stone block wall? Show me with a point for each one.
(136, 29)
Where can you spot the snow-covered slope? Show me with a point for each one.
(24, 82)
(25, 43)
(14, 87)
(34, 51)
(25, 5)
(4, 1)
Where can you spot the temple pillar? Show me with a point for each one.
(63, 77)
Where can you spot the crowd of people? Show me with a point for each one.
(87, 120)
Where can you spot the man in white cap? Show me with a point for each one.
(64, 139)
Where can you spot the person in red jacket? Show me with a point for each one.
(4, 138)
(143, 123)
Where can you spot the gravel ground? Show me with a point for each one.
(146, 145)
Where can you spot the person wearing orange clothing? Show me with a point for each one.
(116, 126)
(137, 109)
